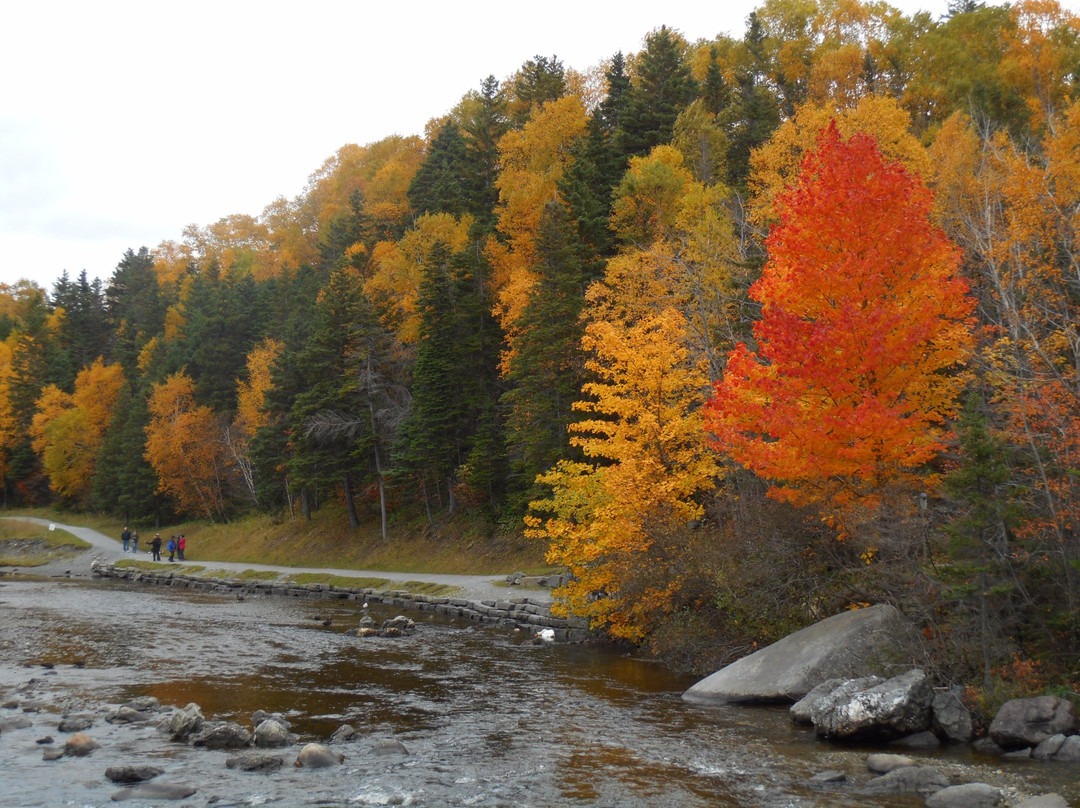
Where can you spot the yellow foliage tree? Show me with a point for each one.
(67, 431)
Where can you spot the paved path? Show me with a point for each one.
(107, 549)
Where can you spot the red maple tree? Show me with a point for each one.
(863, 318)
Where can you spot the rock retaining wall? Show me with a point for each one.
(522, 612)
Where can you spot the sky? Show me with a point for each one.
(123, 122)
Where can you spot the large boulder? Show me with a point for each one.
(851, 644)
(951, 718)
(317, 756)
(271, 733)
(182, 723)
(891, 709)
(221, 735)
(1028, 722)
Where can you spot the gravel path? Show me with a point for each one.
(109, 550)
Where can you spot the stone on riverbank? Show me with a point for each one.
(1029, 722)
(1044, 801)
(882, 763)
(924, 780)
(17, 722)
(846, 645)
(897, 707)
(126, 715)
(75, 723)
(950, 717)
(346, 732)
(968, 795)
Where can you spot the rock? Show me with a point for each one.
(80, 745)
(1048, 748)
(48, 739)
(75, 723)
(389, 748)
(920, 740)
(16, 722)
(829, 693)
(845, 645)
(52, 754)
(155, 791)
(883, 764)
(830, 776)
(271, 733)
(221, 735)
(897, 707)
(259, 716)
(346, 732)
(391, 632)
(144, 704)
(132, 774)
(968, 795)
(950, 718)
(182, 723)
(1043, 801)
(984, 746)
(400, 623)
(1029, 722)
(255, 762)
(125, 715)
(367, 621)
(909, 780)
(1070, 750)
(317, 756)
(800, 710)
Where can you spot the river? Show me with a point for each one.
(487, 717)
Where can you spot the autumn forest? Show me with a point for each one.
(746, 332)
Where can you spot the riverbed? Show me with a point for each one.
(484, 716)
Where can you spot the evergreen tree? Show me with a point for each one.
(83, 335)
(663, 88)
(442, 183)
(540, 79)
(134, 307)
(548, 369)
(755, 112)
(483, 128)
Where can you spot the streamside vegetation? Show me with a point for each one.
(743, 332)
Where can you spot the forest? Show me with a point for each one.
(746, 332)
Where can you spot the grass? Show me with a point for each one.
(184, 569)
(28, 544)
(459, 546)
(347, 582)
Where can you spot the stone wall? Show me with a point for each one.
(522, 613)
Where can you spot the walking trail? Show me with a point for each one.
(105, 549)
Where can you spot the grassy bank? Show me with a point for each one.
(457, 547)
(28, 544)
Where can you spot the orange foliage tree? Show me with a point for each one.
(863, 317)
(185, 447)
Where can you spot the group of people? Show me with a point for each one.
(176, 546)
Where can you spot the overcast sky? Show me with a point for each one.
(123, 122)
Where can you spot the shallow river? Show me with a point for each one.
(487, 718)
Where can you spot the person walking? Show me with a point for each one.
(125, 538)
(171, 547)
(134, 541)
(155, 547)
(181, 545)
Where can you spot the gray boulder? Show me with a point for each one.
(271, 734)
(16, 722)
(346, 732)
(802, 711)
(1070, 750)
(125, 715)
(950, 719)
(75, 723)
(144, 704)
(317, 756)
(897, 707)
(881, 763)
(1029, 722)
(255, 762)
(221, 735)
(182, 723)
(923, 780)
(968, 795)
(846, 645)
(132, 774)
(1048, 748)
(385, 748)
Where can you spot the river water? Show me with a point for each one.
(487, 718)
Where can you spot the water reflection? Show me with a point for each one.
(488, 719)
